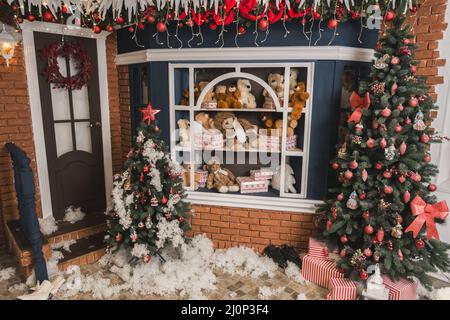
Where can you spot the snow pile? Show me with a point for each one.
(73, 215)
(7, 273)
(48, 225)
(52, 268)
(441, 294)
(301, 296)
(64, 245)
(169, 231)
(267, 292)
(18, 288)
(293, 272)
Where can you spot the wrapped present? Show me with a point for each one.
(261, 174)
(317, 248)
(403, 289)
(250, 185)
(291, 142)
(208, 140)
(269, 143)
(342, 289)
(200, 177)
(209, 105)
(319, 270)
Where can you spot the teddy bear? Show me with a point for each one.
(206, 121)
(185, 98)
(187, 176)
(276, 82)
(289, 179)
(183, 132)
(220, 92)
(251, 132)
(297, 102)
(210, 96)
(233, 95)
(247, 99)
(293, 74)
(222, 179)
(230, 127)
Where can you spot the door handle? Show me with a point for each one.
(97, 124)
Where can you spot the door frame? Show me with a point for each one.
(28, 29)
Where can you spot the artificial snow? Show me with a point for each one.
(18, 288)
(64, 245)
(266, 292)
(441, 294)
(48, 225)
(52, 268)
(7, 273)
(293, 272)
(301, 296)
(73, 215)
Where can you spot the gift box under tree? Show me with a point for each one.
(403, 289)
(342, 289)
(319, 270)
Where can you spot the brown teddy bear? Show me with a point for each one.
(204, 119)
(297, 101)
(220, 92)
(276, 82)
(210, 96)
(222, 179)
(233, 95)
(185, 98)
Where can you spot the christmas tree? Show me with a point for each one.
(149, 210)
(381, 209)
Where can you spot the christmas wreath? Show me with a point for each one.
(82, 63)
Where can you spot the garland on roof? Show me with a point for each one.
(108, 14)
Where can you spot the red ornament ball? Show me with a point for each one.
(362, 196)
(109, 28)
(120, 20)
(368, 229)
(398, 128)
(378, 166)
(118, 237)
(387, 174)
(19, 20)
(413, 10)
(151, 19)
(64, 9)
(413, 69)
(242, 30)
(164, 200)
(332, 23)
(427, 159)
(353, 165)
(335, 165)
(413, 102)
(366, 215)
(340, 197)
(401, 179)
(388, 189)
(416, 177)
(425, 138)
(363, 275)
(141, 26)
(400, 107)
(348, 174)
(343, 239)
(420, 244)
(395, 60)
(180, 219)
(147, 258)
(343, 253)
(97, 29)
(316, 15)
(370, 143)
(31, 18)
(432, 187)
(390, 15)
(407, 121)
(161, 27)
(367, 252)
(355, 15)
(213, 26)
(263, 24)
(386, 112)
(130, 29)
(47, 16)
(13, 7)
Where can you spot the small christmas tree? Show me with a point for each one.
(149, 210)
(382, 209)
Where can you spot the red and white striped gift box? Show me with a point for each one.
(342, 289)
(317, 248)
(403, 289)
(319, 270)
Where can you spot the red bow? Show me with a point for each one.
(359, 103)
(425, 214)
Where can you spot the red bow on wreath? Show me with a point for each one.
(359, 104)
(425, 214)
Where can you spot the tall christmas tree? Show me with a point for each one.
(382, 208)
(149, 210)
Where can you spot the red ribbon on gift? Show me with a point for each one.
(359, 104)
(425, 214)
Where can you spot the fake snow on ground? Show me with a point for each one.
(188, 272)
(73, 214)
(64, 245)
(48, 225)
(7, 273)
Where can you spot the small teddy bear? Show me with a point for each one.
(292, 80)
(185, 98)
(251, 132)
(210, 96)
(230, 127)
(297, 101)
(247, 99)
(220, 92)
(183, 132)
(222, 179)
(276, 82)
(233, 95)
(206, 122)
(289, 179)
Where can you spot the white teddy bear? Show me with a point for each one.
(247, 99)
(289, 180)
(292, 80)
(183, 131)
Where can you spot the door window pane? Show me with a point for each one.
(63, 135)
(83, 136)
(60, 103)
(80, 100)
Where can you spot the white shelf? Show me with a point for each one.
(297, 152)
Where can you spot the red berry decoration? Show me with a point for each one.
(363, 275)
(97, 29)
(332, 23)
(150, 19)
(141, 26)
(378, 166)
(420, 244)
(388, 189)
(335, 165)
(263, 24)
(120, 20)
(47, 16)
(131, 29)
(147, 258)
(180, 219)
(146, 169)
(343, 239)
(386, 112)
(31, 18)
(413, 102)
(355, 15)
(348, 174)
(109, 28)
(353, 165)
(368, 229)
(366, 215)
(242, 30)
(413, 10)
(390, 15)
(362, 196)
(425, 138)
(432, 187)
(19, 20)
(213, 26)
(161, 27)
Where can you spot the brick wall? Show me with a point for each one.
(125, 112)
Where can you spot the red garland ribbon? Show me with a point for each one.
(359, 104)
(82, 63)
(425, 214)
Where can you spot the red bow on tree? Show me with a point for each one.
(425, 214)
(359, 104)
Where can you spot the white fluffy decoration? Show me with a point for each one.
(52, 268)
(293, 273)
(48, 225)
(139, 250)
(18, 288)
(441, 294)
(64, 245)
(267, 292)
(301, 296)
(73, 215)
(7, 273)
(169, 231)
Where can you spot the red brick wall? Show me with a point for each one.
(125, 112)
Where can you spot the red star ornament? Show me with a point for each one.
(148, 113)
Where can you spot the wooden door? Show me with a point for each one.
(73, 134)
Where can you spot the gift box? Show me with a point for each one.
(261, 174)
(403, 289)
(269, 143)
(208, 140)
(250, 185)
(209, 105)
(291, 142)
(342, 289)
(200, 177)
(319, 270)
(317, 248)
